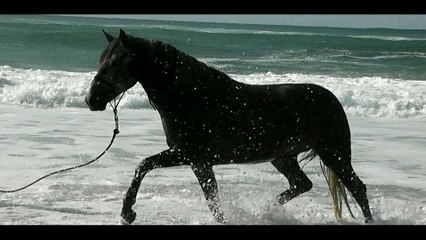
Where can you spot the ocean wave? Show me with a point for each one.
(390, 55)
(338, 53)
(140, 24)
(387, 38)
(364, 96)
(217, 30)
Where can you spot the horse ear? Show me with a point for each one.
(108, 36)
(122, 36)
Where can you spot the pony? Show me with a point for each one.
(208, 119)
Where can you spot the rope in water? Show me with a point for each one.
(115, 132)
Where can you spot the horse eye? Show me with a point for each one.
(114, 62)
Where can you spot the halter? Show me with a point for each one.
(114, 109)
(115, 132)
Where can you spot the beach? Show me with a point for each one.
(387, 155)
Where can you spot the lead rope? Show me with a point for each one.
(115, 132)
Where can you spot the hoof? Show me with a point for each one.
(220, 219)
(368, 220)
(223, 221)
(124, 222)
(128, 218)
(283, 199)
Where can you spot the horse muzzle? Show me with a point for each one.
(94, 105)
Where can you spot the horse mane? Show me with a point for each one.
(178, 68)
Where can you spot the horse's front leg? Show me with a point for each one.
(205, 175)
(168, 158)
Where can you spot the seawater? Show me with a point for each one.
(49, 61)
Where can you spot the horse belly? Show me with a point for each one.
(242, 155)
(256, 147)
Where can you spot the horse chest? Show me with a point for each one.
(172, 137)
(180, 131)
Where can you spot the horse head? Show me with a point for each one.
(116, 72)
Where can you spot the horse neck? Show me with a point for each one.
(171, 77)
(158, 78)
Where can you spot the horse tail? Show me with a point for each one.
(335, 186)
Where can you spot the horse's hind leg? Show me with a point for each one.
(205, 176)
(338, 159)
(299, 182)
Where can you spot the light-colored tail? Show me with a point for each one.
(337, 191)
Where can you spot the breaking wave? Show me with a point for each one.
(363, 96)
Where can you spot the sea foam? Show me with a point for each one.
(364, 96)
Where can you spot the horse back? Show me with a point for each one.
(203, 108)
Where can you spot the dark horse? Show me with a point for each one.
(209, 119)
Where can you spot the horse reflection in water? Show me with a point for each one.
(210, 119)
